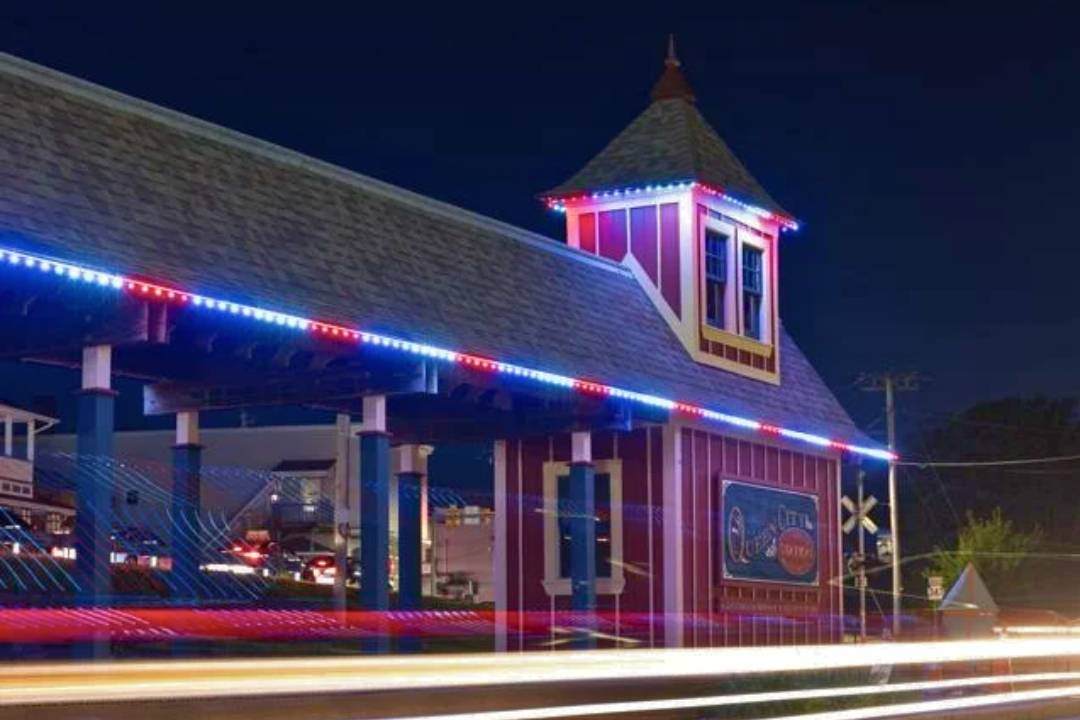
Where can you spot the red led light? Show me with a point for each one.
(689, 409)
(480, 363)
(592, 388)
(473, 361)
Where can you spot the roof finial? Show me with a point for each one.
(672, 84)
(671, 60)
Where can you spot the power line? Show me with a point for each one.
(957, 418)
(991, 463)
(941, 486)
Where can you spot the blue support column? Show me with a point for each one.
(186, 541)
(93, 495)
(410, 545)
(583, 548)
(375, 531)
(409, 540)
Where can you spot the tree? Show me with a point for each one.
(937, 501)
(993, 545)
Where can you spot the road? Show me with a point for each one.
(652, 683)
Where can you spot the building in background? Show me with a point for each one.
(23, 502)
(462, 547)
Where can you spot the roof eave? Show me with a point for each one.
(556, 198)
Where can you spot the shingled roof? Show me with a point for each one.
(669, 142)
(95, 177)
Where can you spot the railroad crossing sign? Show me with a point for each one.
(885, 546)
(860, 515)
(935, 588)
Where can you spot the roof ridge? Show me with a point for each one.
(93, 92)
(687, 115)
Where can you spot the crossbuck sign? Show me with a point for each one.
(859, 515)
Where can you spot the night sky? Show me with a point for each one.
(932, 154)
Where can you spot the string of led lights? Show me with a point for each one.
(559, 203)
(10, 258)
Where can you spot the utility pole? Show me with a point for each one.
(862, 560)
(890, 383)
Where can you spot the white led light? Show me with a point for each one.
(292, 321)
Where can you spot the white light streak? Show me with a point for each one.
(718, 701)
(103, 681)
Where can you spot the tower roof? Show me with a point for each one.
(669, 142)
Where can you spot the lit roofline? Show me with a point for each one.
(40, 264)
(559, 201)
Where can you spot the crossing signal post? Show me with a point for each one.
(860, 520)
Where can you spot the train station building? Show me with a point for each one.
(666, 461)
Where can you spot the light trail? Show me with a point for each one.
(59, 683)
(718, 701)
(939, 706)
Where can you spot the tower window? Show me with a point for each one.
(752, 291)
(716, 262)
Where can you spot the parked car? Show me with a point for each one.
(458, 585)
(267, 556)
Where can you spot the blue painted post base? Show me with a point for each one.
(409, 551)
(94, 485)
(583, 551)
(375, 535)
(94, 496)
(186, 541)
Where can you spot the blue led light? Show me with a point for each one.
(166, 293)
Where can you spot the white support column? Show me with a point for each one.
(9, 436)
(581, 447)
(30, 433)
(97, 367)
(425, 529)
(187, 427)
(673, 537)
(374, 419)
(501, 539)
(342, 440)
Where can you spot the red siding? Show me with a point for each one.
(643, 238)
(740, 612)
(669, 257)
(587, 232)
(525, 554)
(613, 234)
(717, 612)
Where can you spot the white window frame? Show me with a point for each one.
(745, 237)
(732, 287)
(554, 584)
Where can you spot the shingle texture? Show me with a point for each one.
(669, 142)
(94, 177)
